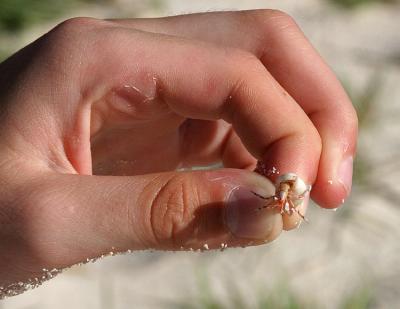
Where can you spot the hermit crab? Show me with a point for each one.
(290, 191)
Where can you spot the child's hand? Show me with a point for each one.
(142, 98)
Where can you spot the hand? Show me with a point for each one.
(131, 101)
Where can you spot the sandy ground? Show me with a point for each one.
(337, 254)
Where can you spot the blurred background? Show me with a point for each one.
(344, 259)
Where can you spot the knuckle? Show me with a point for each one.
(279, 16)
(75, 28)
(71, 38)
(276, 17)
(280, 23)
(270, 23)
(171, 208)
(76, 25)
(263, 14)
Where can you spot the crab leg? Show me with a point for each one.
(293, 208)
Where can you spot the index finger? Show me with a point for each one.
(204, 81)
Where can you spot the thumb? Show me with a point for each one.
(86, 216)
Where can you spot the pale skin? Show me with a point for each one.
(118, 98)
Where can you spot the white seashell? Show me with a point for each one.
(299, 186)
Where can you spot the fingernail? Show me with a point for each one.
(245, 217)
(345, 173)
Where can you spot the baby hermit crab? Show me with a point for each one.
(290, 191)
